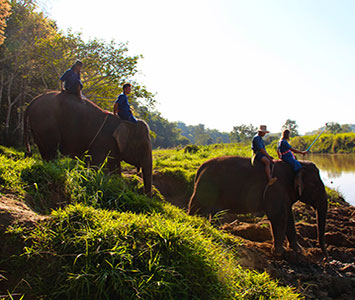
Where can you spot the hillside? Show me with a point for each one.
(69, 232)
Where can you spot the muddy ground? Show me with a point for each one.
(307, 273)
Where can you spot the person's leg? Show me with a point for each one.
(266, 163)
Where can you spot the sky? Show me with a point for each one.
(223, 63)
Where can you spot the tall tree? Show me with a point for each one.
(333, 127)
(242, 133)
(24, 28)
(35, 54)
(292, 126)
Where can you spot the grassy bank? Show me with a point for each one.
(109, 241)
(327, 143)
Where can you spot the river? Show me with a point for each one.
(338, 172)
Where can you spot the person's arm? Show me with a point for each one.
(115, 108)
(263, 151)
(63, 78)
(298, 151)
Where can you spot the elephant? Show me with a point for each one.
(232, 183)
(74, 126)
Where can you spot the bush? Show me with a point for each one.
(191, 149)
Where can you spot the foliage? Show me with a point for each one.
(35, 54)
(327, 143)
(199, 135)
(243, 133)
(100, 254)
(292, 126)
(4, 14)
(112, 242)
(333, 127)
(166, 134)
(184, 163)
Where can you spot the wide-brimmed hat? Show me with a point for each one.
(262, 128)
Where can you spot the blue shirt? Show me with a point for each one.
(71, 80)
(287, 156)
(257, 143)
(124, 108)
(284, 146)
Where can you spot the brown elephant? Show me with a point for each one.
(61, 121)
(231, 183)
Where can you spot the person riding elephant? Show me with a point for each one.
(232, 184)
(122, 107)
(71, 80)
(260, 154)
(285, 150)
(58, 121)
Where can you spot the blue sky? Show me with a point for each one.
(227, 63)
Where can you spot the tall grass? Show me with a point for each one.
(112, 242)
(82, 253)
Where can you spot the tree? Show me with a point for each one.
(24, 28)
(242, 133)
(346, 128)
(333, 127)
(292, 126)
(165, 134)
(35, 54)
(5, 11)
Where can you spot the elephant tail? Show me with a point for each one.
(26, 133)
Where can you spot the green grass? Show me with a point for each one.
(105, 254)
(112, 242)
(182, 165)
(327, 143)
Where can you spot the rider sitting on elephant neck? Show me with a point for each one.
(285, 150)
(71, 80)
(122, 107)
(260, 153)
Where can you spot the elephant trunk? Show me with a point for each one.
(321, 216)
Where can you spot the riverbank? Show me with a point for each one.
(327, 143)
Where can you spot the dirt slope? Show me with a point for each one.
(311, 276)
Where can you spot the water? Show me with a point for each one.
(338, 172)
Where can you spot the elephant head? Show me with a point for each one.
(135, 148)
(310, 189)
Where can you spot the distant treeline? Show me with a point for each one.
(327, 143)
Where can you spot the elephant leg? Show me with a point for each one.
(278, 225)
(47, 145)
(114, 165)
(147, 179)
(291, 233)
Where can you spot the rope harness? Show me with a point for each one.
(102, 126)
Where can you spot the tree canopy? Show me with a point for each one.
(292, 126)
(35, 53)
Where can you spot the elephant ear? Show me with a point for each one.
(298, 183)
(121, 135)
